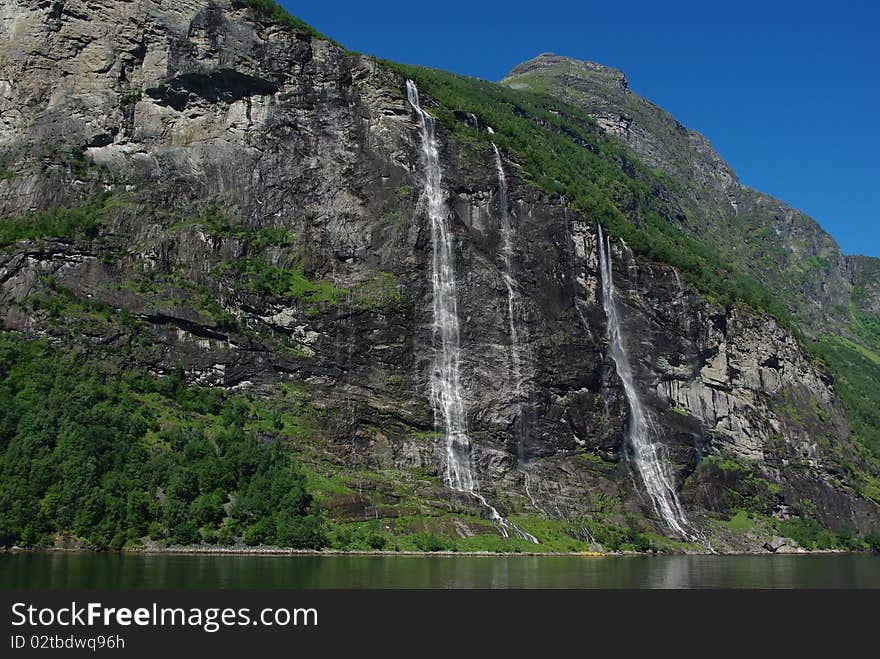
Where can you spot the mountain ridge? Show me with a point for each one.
(549, 59)
(661, 140)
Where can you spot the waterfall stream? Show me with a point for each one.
(648, 454)
(520, 369)
(509, 280)
(445, 375)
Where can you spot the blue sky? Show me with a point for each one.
(787, 92)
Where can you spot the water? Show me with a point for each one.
(647, 454)
(349, 367)
(509, 279)
(445, 375)
(517, 371)
(446, 394)
(122, 571)
(527, 483)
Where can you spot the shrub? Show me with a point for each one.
(429, 542)
(62, 223)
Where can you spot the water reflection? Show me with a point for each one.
(111, 571)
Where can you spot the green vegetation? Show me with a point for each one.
(110, 458)
(615, 538)
(378, 293)
(857, 380)
(561, 150)
(130, 99)
(805, 530)
(290, 283)
(60, 304)
(75, 163)
(741, 522)
(866, 277)
(418, 533)
(746, 491)
(809, 534)
(747, 235)
(595, 463)
(558, 148)
(177, 290)
(61, 223)
(229, 223)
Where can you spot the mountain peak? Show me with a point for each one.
(580, 68)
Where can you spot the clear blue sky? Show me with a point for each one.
(787, 92)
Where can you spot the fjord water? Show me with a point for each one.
(647, 454)
(446, 395)
(123, 571)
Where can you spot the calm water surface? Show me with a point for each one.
(86, 570)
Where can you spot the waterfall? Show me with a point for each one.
(517, 367)
(648, 455)
(509, 279)
(445, 378)
(445, 375)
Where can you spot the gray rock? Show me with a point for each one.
(779, 545)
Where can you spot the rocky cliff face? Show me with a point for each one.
(262, 224)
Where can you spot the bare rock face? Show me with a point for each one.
(238, 149)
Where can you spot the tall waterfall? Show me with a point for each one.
(509, 279)
(648, 455)
(517, 371)
(445, 378)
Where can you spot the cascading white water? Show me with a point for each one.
(445, 374)
(510, 283)
(445, 378)
(520, 355)
(648, 455)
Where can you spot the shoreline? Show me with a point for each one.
(330, 553)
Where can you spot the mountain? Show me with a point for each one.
(258, 289)
(774, 243)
